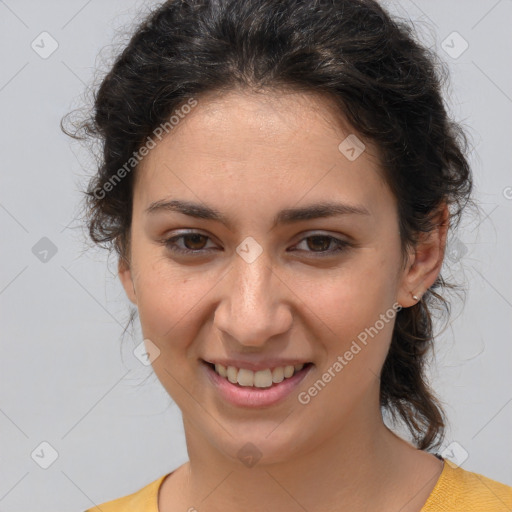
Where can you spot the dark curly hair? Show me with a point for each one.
(377, 75)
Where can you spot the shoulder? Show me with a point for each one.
(458, 490)
(143, 500)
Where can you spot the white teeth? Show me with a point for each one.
(261, 378)
(221, 370)
(278, 374)
(288, 371)
(245, 377)
(232, 373)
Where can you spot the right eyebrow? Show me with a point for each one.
(286, 216)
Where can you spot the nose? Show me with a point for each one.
(255, 303)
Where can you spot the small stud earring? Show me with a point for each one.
(415, 297)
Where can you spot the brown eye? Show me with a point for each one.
(191, 243)
(194, 242)
(320, 243)
(323, 245)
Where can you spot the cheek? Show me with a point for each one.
(352, 315)
(353, 325)
(169, 303)
(349, 298)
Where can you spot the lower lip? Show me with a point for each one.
(252, 396)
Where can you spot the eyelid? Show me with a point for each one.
(339, 243)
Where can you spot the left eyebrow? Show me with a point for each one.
(286, 216)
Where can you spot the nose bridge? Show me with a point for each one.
(252, 309)
(252, 286)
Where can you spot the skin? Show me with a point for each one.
(250, 155)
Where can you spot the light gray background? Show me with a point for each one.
(67, 379)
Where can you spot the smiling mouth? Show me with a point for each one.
(267, 378)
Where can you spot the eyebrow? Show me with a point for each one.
(286, 216)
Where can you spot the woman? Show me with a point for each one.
(278, 180)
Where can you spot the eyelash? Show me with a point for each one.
(341, 245)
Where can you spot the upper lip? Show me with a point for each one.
(257, 365)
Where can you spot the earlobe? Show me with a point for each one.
(425, 261)
(125, 275)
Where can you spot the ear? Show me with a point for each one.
(125, 275)
(425, 261)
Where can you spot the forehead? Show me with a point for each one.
(275, 142)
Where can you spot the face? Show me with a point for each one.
(263, 283)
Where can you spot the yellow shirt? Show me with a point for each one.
(456, 490)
